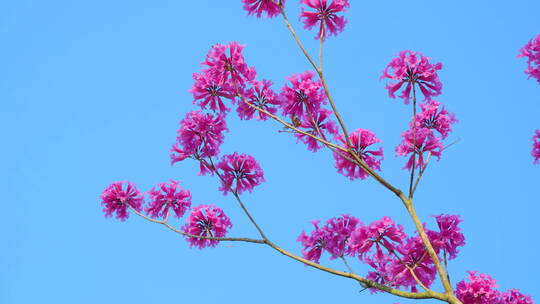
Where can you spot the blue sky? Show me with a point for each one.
(92, 92)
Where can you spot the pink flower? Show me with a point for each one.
(304, 97)
(199, 136)
(435, 116)
(314, 244)
(208, 93)
(414, 255)
(261, 96)
(338, 231)
(258, 7)
(207, 221)
(536, 146)
(532, 51)
(325, 16)
(479, 290)
(360, 140)
(226, 64)
(382, 272)
(117, 198)
(414, 69)
(425, 142)
(240, 172)
(513, 296)
(168, 196)
(450, 235)
(332, 237)
(320, 125)
(383, 232)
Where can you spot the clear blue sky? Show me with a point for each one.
(92, 91)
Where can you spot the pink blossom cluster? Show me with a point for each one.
(303, 102)
(118, 197)
(532, 52)
(205, 221)
(426, 132)
(360, 140)
(434, 123)
(208, 221)
(385, 247)
(536, 146)
(481, 289)
(259, 7)
(412, 69)
(325, 16)
(332, 238)
(239, 172)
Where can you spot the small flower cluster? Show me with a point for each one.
(532, 52)
(360, 140)
(225, 76)
(324, 15)
(433, 124)
(166, 199)
(385, 247)
(481, 289)
(536, 146)
(412, 69)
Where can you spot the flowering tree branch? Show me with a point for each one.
(399, 261)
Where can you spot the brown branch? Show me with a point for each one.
(166, 224)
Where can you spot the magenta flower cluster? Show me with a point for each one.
(531, 51)
(259, 7)
(239, 172)
(360, 141)
(118, 197)
(208, 221)
(324, 16)
(165, 199)
(481, 289)
(536, 146)
(408, 72)
(385, 247)
(412, 69)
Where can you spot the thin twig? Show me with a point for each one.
(166, 224)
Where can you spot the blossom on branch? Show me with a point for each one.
(239, 172)
(226, 64)
(532, 51)
(332, 237)
(410, 69)
(199, 136)
(325, 16)
(209, 93)
(318, 125)
(383, 234)
(414, 256)
(435, 116)
(360, 140)
(258, 7)
(479, 290)
(450, 235)
(304, 97)
(424, 142)
(261, 96)
(118, 197)
(536, 146)
(513, 296)
(207, 221)
(166, 196)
